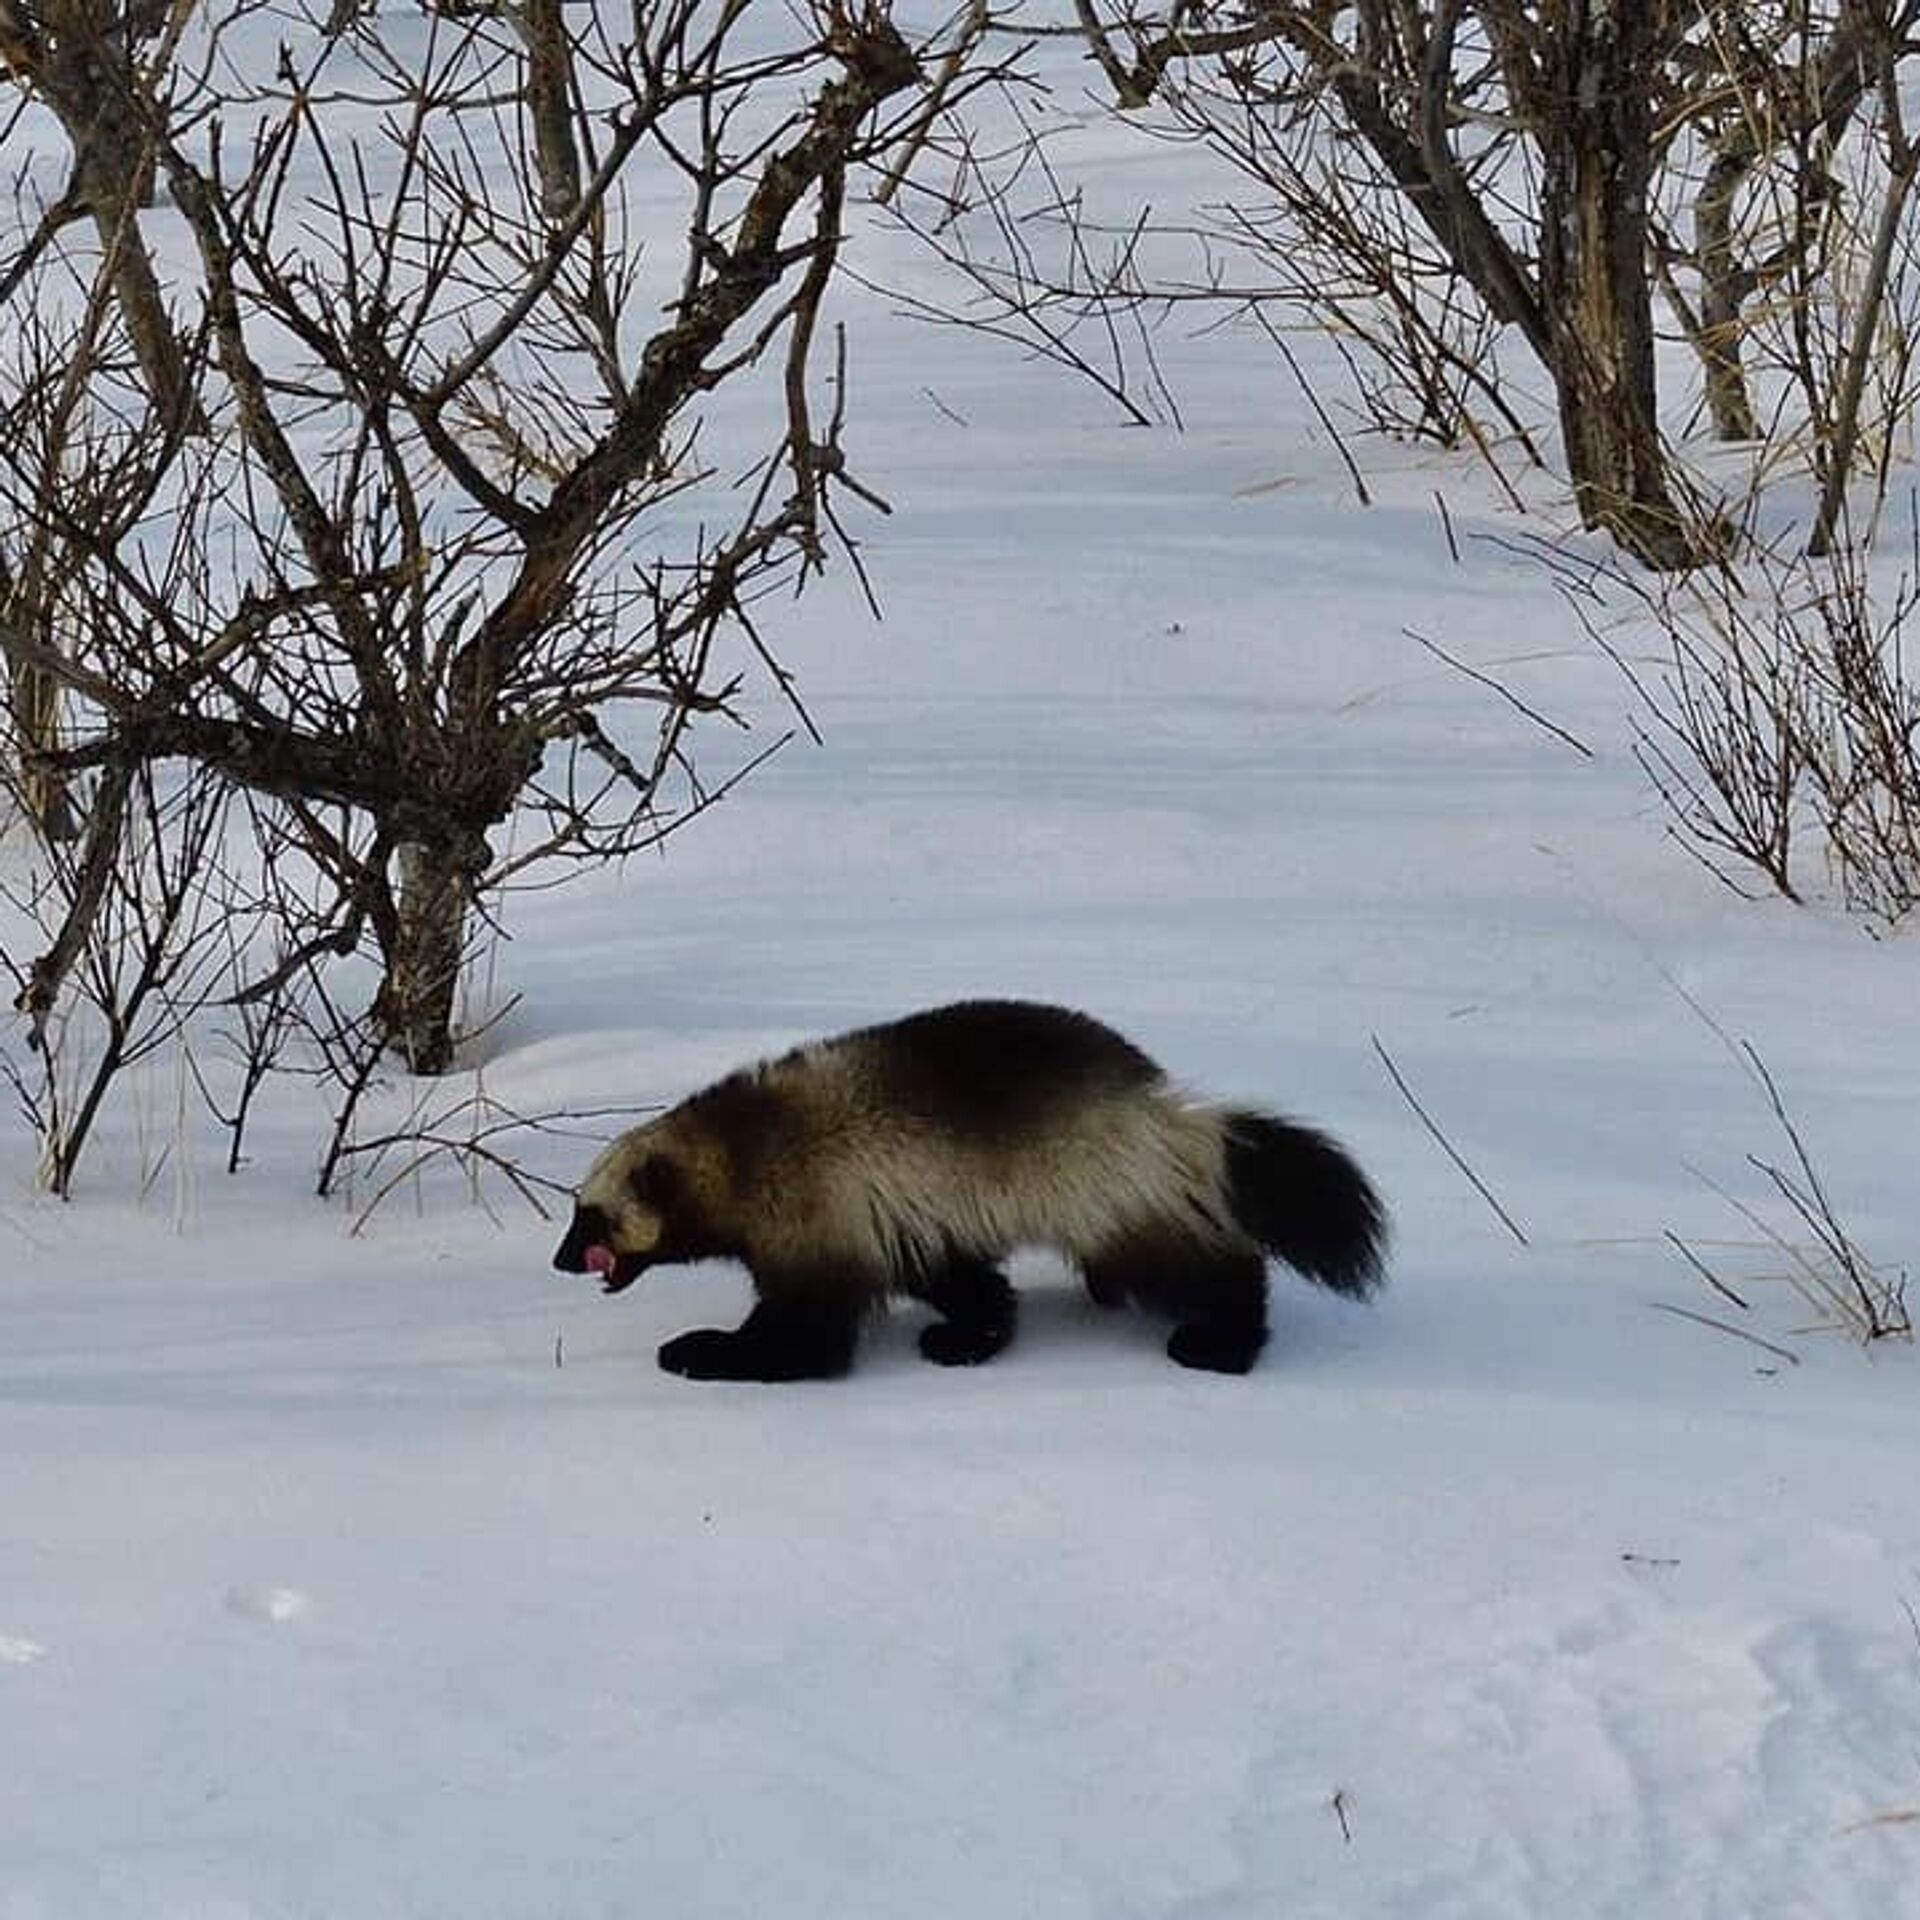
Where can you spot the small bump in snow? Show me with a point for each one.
(277, 1604)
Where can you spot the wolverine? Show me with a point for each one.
(914, 1157)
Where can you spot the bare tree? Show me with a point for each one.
(1544, 155)
(1754, 104)
(1460, 106)
(82, 59)
(460, 545)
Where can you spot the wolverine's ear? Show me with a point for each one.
(655, 1182)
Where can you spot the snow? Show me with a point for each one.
(356, 1564)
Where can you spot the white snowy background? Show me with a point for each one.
(380, 1573)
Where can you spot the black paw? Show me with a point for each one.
(769, 1346)
(708, 1353)
(1215, 1349)
(948, 1344)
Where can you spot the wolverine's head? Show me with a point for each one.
(639, 1206)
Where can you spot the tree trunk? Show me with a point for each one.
(136, 286)
(34, 695)
(424, 954)
(88, 85)
(1869, 311)
(34, 698)
(550, 105)
(1724, 286)
(1594, 273)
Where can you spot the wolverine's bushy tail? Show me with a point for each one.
(1303, 1198)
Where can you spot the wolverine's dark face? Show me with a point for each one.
(589, 1247)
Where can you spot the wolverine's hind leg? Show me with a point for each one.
(977, 1306)
(1216, 1296)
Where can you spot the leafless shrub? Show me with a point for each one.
(1319, 248)
(1034, 267)
(1862, 735)
(1787, 148)
(134, 919)
(1767, 153)
(1417, 343)
(1824, 1265)
(477, 1139)
(1718, 725)
(1778, 709)
(401, 559)
(1316, 252)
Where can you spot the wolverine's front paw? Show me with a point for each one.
(950, 1344)
(708, 1353)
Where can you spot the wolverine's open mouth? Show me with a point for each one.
(586, 1249)
(617, 1271)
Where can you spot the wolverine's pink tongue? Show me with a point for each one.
(600, 1260)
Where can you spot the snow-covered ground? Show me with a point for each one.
(381, 1574)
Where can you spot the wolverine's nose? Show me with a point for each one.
(571, 1254)
(588, 1231)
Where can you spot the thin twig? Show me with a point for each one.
(1506, 693)
(1305, 385)
(1705, 1272)
(1446, 1145)
(1726, 1326)
(1339, 1805)
(1875, 1308)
